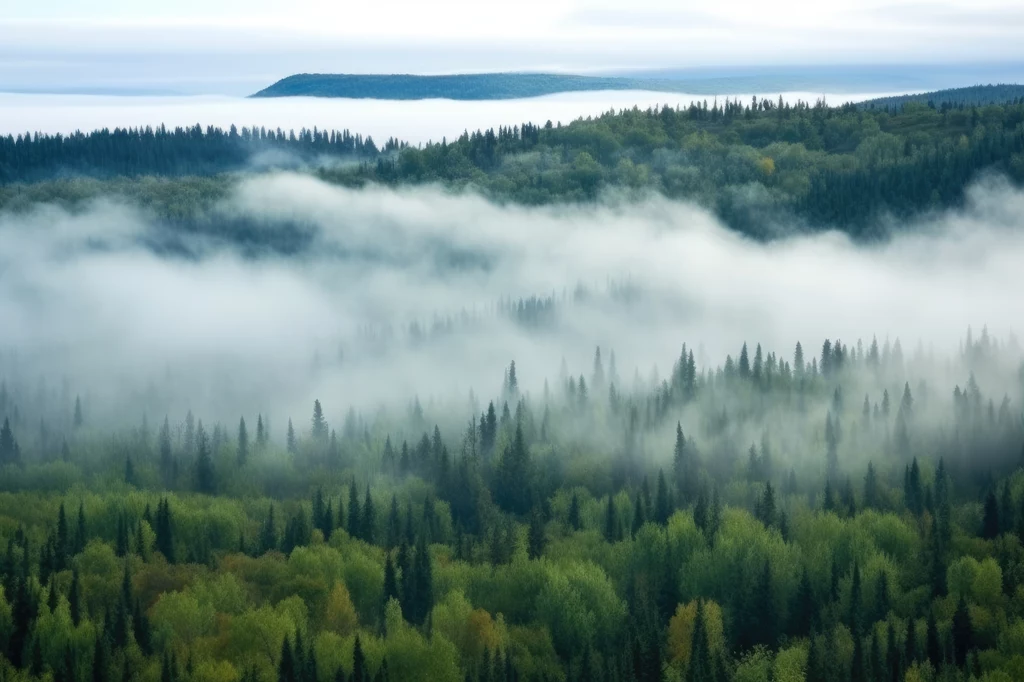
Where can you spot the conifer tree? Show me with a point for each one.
(574, 512)
(320, 430)
(292, 445)
(963, 633)
(990, 525)
(206, 482)
(662, 504)
(368, 519)
(537, 534)
(243, 443)
(355, 520)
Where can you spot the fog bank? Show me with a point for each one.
(400, 293)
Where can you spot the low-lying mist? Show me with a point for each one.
(394, 293)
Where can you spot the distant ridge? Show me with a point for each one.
(482, 86)
(499, 86)
(974, 95)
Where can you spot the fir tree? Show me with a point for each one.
(243, 443)
(537, 534)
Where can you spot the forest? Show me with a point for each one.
(836, 511)
(765, 168)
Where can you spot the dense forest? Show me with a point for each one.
(763, 167)
(848, 511)
(974, 95)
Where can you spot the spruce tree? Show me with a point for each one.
(574, 512)
(368, 519)
(662, 504)
(611, 521)
(359, 669)
(286, 664)
(292, 445)
(803, 608)
(963, 633)
(243, 443)
(166, 461)
(537, 534)
(990, 524)
(206, 482)
(320, 430)
(355, 520)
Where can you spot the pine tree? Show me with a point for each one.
(963, 633)
(761, 625)
(8, 445)
(662, 504)
(816, 662)
(639, 516)
(268, 532)
(856, 621)
(359, 669)
(858, 673)
(166, 458)
(803, 607)
(933, 644)
(990, 525)
(75, 598)
(871, 491)
(286, 665)
(206, 482)
(910, 653)
(368, 519)
(165, 531)
(320, 430)
(537, 534)
(423, 573)
(355, 521)
(765, 510)
(100, 663)
(390, 582)
(293, 447)
(78, 420)
(243, 443)
(81, 535)
(574, 512)
(701, 668)
(63, 545)
(893, 656)
(129, 472)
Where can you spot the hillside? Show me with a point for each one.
(975, 95)
(480, 86)
(756, 167)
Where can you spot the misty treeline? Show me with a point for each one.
(842, 511)
(763, 167)
(179, 151)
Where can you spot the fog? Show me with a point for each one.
(88, 298)
(415, 122)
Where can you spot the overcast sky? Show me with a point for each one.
(252, 40)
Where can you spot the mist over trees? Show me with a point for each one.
(763, 167)
(273, 428)
(840, 510)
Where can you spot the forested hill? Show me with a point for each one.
(758, 165)
(975, 95)
(480, 86)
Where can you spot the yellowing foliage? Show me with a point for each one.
(339, 614)
(680, 631)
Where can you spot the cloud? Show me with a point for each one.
(85, 296)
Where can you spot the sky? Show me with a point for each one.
(216, 46)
